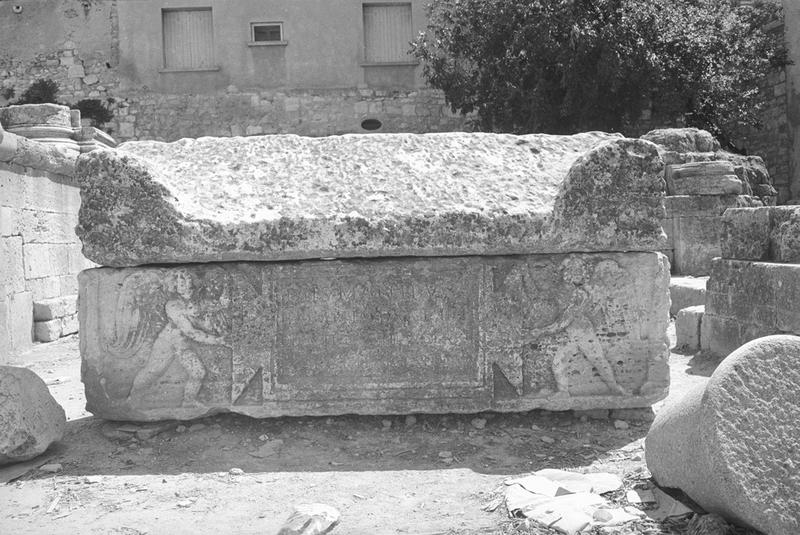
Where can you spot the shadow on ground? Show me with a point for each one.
(488, 443)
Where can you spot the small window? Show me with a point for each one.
(188, 39)
(266, 33)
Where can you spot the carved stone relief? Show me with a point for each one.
(380, 336)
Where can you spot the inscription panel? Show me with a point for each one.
(345, 327)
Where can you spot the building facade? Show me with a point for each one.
(187, 68)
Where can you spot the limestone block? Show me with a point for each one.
(696, 241)
(714, 177)
(707, 185)
(10, 221)
(683, 139)
(57, 307)
(48, 227)
(30, 419)
(687, 327)
(720, 336)
(380, 336)
(686, 292)
(731, 445)
(35, 115)
(743, 290)
(44, 287)
(12, 270)
(767, 233)
(289, 197)
(745, 234)
(16, 320)
(47, 331)
(45, 259)
(24, 152)
(69, 324)
(706, 205)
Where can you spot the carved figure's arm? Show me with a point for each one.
(576, 303)
(177, 313)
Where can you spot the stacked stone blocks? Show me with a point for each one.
(753, 287)
(702, 182)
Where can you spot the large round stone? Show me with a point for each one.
(733, 446)
(30, 419)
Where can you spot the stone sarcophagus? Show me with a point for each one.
(373, 274)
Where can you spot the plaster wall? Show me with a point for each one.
(321, 51)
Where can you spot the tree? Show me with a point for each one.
(563, 66)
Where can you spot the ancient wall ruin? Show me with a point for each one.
(40, 255)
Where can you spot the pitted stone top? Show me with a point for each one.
(290, 197)
(232, 180)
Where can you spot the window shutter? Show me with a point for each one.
(188, 39)
(387, 32)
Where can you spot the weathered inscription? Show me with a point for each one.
(401, 335)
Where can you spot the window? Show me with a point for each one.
(387, 33)
(188, 39)
(266, 33)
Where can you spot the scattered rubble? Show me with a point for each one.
(311, 519)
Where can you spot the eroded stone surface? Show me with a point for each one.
(768, 233)
(30, 419)
(732, 445)
(683, 139)
(686, 292)
(715, 177)
(23, 115)
(747, 300)
(289, 197)
(376, 336)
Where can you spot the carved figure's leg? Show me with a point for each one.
(593, 351)
(161, 356)
(196, 371)
(560, 368)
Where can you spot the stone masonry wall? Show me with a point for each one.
(40, 256)
(304, 112)
(772, 142)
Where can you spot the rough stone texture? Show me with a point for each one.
(35, 115)
(376, 336)
(16, 324)
(708, 185)
(714, 177)
(732, 444)
(311, 519)
(687, 327)
(47, 331)
(700, 187)
(770, 233)
(56, 307)
(686, 292)
(30, 419)
(288, 197)
(694, 228)
(747, 300)
(683, 139)
(40, 255)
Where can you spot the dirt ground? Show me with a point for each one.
(231, 474)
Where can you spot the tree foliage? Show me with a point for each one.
(41, 91)
(563, 66)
